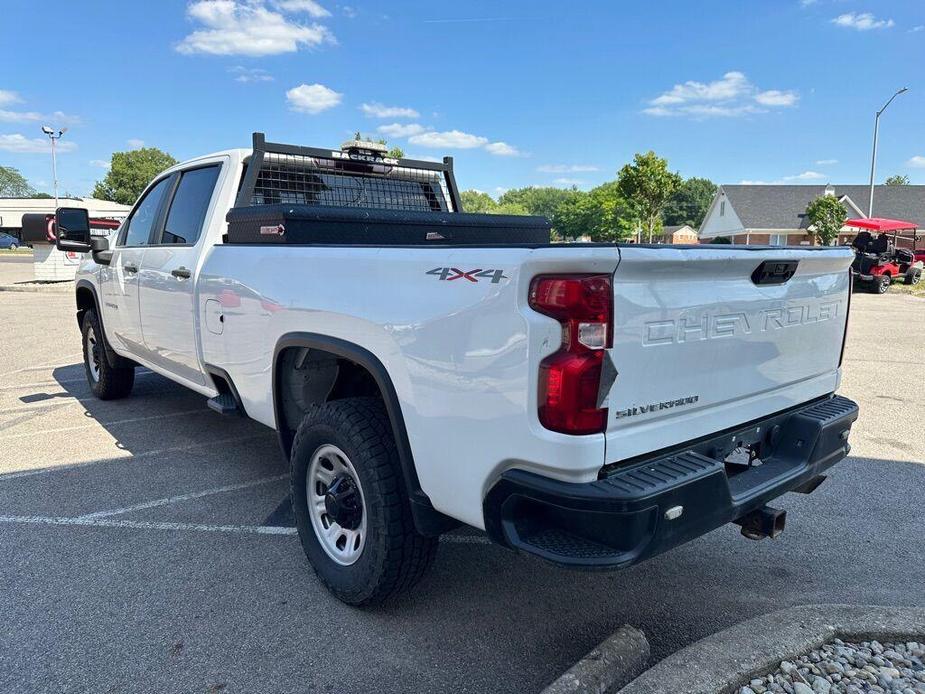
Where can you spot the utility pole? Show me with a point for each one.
(873, 157)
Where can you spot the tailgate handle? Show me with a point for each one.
(774, 271)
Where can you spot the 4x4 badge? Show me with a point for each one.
(452, 273)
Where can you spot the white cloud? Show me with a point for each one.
(377, 110)
(807, 3)
(21, 144)
(776, 97)
(862, 21)
(309, 6)
(917, 162)
(312, 98)
(250, 74)
(826, 162)
(400, 129)
(565, 168)
(502, 149)
(349, 11)
(57, 118)
(569, 181)
(751, 182)
(135, 143)
(238, 27)
(8, 97)
(805, 176)
(450, 139)
(917, 28)
(730, 96)
(102, 163)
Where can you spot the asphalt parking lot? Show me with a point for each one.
(145, 544)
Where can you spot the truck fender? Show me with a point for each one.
(427, 519)
(115, 361)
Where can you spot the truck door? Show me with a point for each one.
(119, 280)
(167, 274)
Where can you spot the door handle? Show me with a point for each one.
(181, 272)
(130, 267)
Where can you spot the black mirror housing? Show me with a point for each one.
(72, 229)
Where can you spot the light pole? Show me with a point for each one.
(54, 137)
(873, 157)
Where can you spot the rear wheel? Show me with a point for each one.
(106, 382)
(882, 284)
(350, 506)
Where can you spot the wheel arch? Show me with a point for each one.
(428, 520)
(87, 298)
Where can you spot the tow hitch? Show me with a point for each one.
(765, 522)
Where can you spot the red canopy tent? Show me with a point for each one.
(880, 224)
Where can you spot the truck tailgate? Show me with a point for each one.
(700, 345)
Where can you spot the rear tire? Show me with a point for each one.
(913, 276)
(882, 284)
(353, 440)
(106, 382)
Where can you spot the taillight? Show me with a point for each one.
(570, 378)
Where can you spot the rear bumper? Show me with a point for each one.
(620, 519)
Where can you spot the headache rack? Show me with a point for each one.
(357, 176)
(358, 195)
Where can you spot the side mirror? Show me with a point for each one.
(72, 226)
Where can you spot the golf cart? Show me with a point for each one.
(879, 261)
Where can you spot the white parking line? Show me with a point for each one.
(148, 525)
(194, 527)
(167, 500)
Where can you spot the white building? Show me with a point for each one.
(776, 214)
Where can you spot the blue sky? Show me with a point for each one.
(520, 93)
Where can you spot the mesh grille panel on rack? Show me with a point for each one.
(331, 182)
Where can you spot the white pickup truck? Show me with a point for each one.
(590, 404)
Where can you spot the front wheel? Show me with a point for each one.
(106, 381)
(882, 284)
(913, 276)
(350, 506)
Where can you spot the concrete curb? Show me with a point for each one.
(63, 287)
(614, 662)
(725, 661)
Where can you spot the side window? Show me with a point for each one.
(189, 206)
(138, 227)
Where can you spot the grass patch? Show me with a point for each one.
(18, 251)
(911, 290)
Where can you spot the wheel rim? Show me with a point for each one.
(336, 504)
(884, 283)
(93, 355)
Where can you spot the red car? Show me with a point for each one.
(881, 260)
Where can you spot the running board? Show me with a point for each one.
(223, 403)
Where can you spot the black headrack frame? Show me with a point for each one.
(267, 155)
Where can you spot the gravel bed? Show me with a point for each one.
(849, 668)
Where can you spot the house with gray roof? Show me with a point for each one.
(776, 214)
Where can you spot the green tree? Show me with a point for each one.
(545, 202)
(130, 172)
(648, 185)
(897, 180)
(509, 208)
(826, 217)
(396, 153)
(689, 203)
(602, 214)
(13, 184)
(721, 239)
(477, 201)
